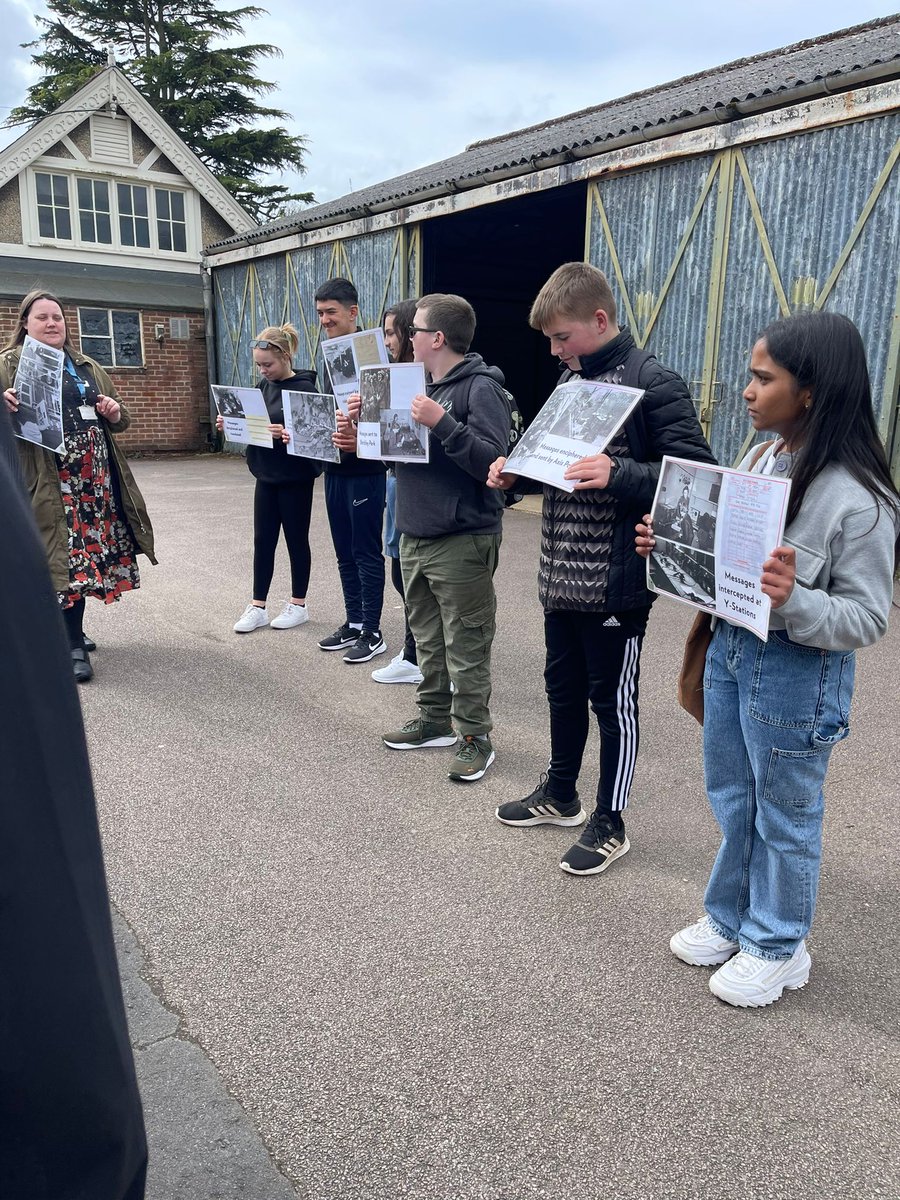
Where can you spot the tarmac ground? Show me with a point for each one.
(345, 979)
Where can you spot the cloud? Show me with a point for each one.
(381, 91)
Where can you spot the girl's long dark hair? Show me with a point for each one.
(824, 352)
(404, 314)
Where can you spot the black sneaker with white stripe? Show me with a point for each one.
(367, 645)
(538, 808)
(600, 844)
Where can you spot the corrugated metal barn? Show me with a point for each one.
(713, 204)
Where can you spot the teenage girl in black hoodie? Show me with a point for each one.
(284, 485)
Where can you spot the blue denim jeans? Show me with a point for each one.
(773, 713)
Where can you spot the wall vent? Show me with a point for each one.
(179, 328)
(111, 139)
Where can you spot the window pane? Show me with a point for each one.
(45, 222)
(104, 230)
(85, 194)
(124, 192)
(162, 204)
(140, 201)
(86, 221)
(142, 231)
(42, 186)
(127, 338)
(101, 195)
(99, 349)
(177, 203)
(61, 190)
(165, 235)
(63, 225)
(180, 238)
(94, 322)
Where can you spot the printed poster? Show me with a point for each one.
(714, 528)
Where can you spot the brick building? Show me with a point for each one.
(102, 204)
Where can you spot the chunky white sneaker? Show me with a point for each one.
(750, 982)
(398, 670)
(701, 945)
(291, 615)
(253, 617)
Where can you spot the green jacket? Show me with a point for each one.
(41, 475)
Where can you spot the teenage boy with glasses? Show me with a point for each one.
(354, 500)
(450, 526)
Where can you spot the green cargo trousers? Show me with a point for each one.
(451, 605)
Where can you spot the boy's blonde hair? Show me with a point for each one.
(575, 290)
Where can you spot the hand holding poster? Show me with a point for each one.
(714, 527)
(310, 419)
(38, 388)
(244, 415)
(346, 356)
(386, 429)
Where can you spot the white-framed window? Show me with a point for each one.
(93, 211)
(171, 222)
(54, 220)
(112, 336)
(82, 210)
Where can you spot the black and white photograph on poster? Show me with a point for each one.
(580, 419)
(375, 394)
(309, 418)
(687, 504)
(38, 386)
(346, 356)
(244, 415)
(402, 438)
(714, 527)
(683, 571)
(386, 429)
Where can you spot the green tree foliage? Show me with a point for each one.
(177, 53)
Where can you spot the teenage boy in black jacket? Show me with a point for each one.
(592, 584)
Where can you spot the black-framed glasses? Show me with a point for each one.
(264, 344)
(414, 329)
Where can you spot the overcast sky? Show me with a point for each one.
(383, 89)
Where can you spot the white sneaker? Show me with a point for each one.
(701, 945)
(398, 670)
(291, 615)
(750, 982)
(253, 617)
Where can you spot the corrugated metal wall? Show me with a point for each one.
(703, 252)
(810, 221)
(270, 291)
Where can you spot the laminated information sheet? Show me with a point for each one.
(578, 421)
(245, 415)
(386, 428)
(311, 420)
(714, 528)
(346, 356)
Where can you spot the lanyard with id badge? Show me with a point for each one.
(86, 411)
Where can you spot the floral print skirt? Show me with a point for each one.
(102, 553)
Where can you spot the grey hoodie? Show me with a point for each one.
(449, 494)
(844, 541)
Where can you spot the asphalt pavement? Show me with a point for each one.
(345, 979)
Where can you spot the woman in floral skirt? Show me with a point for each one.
(88, 509)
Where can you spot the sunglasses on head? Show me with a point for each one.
(264, 344)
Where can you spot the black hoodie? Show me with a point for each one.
(276, 465)
(449, 494)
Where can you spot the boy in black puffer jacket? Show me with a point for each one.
(592, 585)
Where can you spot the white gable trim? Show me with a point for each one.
(111, 86)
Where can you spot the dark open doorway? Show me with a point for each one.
(498, 257)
